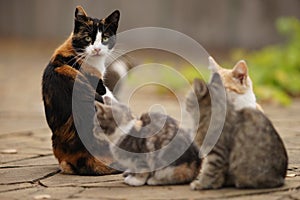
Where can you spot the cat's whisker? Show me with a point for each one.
(77, 58)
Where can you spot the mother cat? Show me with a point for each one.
(69, 88)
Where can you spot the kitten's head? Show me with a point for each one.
(94, 37)
(236, 79)
(111, 117)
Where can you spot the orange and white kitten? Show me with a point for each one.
(237, 83)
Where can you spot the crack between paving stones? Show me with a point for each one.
(35, 181)
(38, 156)
(15, 167)
(16, 189)
(46, 176)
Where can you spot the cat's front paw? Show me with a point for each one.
(65, 168)
(196, 185)
(134, 181)
(152, 181)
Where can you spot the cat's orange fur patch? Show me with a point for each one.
(68, 71)
(66, 49)
(185, 172)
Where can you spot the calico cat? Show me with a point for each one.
(237, 83)
(249, 153)
(70, 85)
(158, 162)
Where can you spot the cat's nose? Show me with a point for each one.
(97, 50)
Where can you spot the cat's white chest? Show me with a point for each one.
(246, 100)
(98, 62)
(110, 94)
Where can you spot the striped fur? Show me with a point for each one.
(249, 152)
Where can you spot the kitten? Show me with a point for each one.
(69, 87)
(249, 153)
(146, 137)
(237, 83)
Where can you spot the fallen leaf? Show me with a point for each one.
(291, 175)
(9, 151)
(42, 196)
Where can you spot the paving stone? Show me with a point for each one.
(13, 187)
(24, 174)
(286, 195)
(5, 158)
(39, 161)
(60, 179)
(30, 193)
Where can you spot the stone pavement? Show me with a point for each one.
(28, 169)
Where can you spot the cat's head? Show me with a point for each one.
(111, 117)
(236, 79)
(94, 37)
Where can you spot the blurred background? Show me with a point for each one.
(266, 33)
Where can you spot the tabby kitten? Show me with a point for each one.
(237, 83)
(249, 152)
(69, 88)
(150, 137)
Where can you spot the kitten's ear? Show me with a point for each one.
(200, 87)
(80, 13)
(107, 100)
(240, 71)
(113, 17)
(213, 65)
(216, 81)
(99, 108)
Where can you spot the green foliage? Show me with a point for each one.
(275, 69)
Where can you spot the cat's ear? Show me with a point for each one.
(113, 18)
(80, 13)
(213, 65)
(100, 108)
(216, 81)
(200, 87)
(240, 71)
(107, 100)
(112, 21)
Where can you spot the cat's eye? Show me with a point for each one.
(88, 39)
(105, 39)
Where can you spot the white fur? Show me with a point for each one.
(240, 101)
(135, 180)
(213, 66)
(110, 94)
(97, 59)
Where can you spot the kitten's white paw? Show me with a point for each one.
(134, 181)
(196, 185)
(152, 181)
